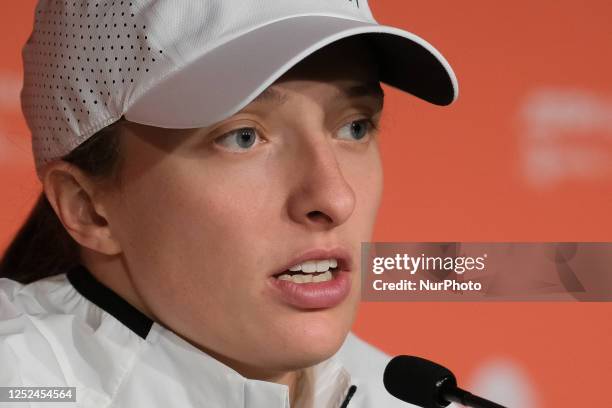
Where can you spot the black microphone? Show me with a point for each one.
(427, 384)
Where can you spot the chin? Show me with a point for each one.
(312, 342)
(296, 359)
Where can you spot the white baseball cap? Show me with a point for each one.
(191, 63)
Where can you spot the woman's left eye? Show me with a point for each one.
(239, 140)
(357, 129)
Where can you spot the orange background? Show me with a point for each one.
(462, 173)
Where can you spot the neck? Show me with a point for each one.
(292, 379)
(106, 273)
(113, 273)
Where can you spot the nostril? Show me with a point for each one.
(319, 216)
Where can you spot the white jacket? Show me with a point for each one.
(69, 330)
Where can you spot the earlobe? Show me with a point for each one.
(70, 193)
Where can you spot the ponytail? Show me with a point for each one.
(42, 247)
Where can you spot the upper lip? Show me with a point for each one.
(341, 254)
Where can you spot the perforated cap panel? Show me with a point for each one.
(80, 64)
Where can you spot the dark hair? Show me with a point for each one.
(42, 247)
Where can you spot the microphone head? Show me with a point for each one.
(417, 381)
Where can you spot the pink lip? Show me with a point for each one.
(316, 295)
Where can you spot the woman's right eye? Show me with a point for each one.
(239, 140)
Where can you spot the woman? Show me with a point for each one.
(197, 239)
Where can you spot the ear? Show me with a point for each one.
(77, 202)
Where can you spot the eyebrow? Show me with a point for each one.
(371, 89)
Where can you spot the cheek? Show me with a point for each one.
(193, 209)
(200, 234)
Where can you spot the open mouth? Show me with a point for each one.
(320, 280)
(315, 271)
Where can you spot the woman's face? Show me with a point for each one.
(209, 218)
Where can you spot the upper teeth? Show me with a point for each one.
(321, 265)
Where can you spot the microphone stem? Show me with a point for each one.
(468, 399)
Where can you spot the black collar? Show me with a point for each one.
(87, 285)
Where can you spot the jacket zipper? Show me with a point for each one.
(349, 395)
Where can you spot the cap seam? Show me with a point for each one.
(80, 138)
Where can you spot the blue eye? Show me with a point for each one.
(357, 129)
(243, 139)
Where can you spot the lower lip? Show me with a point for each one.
(316, 295)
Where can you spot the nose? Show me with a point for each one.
(321, 198)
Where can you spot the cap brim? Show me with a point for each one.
(224, 80)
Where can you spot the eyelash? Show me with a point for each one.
(371, 124)
(372, 129)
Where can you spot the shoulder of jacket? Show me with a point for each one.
(9, 307)
(23, 348)
(45, 341)
(28, 298)
(8, 288)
